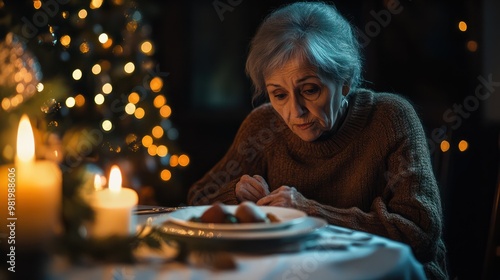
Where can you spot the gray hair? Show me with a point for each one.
(313, 31)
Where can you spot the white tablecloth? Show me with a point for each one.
(337, 254)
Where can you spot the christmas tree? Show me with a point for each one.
(95, 89)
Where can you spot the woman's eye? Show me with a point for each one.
(310, 92)
(279, 96)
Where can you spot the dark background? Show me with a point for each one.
(419, 53)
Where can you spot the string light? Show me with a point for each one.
(162, 151)
(65, 41)
(445, 146)
(129, 67)
(462, 26)
(156, 84)
(159, 101)
(147, 141)
(183, 160)
(77, 74)
(99, 99)
(107, 88)
(165, 175)
(70, 102)
(157, 131)
(96, 69)
(79, 100)
(130, 108)
(134, 98)
(165, 111)
(139, 113)
(82, 13)
(107, 125)
(174, 160)
(463, 145)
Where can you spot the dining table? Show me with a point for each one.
(300, 247)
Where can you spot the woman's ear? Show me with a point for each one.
(345, 90)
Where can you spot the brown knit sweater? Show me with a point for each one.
(373, 174)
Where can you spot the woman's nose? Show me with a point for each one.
(298, 108)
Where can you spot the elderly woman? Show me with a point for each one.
(326, 146)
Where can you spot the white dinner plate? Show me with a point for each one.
(287, 217)
(308, 225)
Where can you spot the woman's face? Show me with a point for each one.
(307, 104)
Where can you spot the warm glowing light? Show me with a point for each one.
(130, 108)
(70, 102)
(139, 113)
(5, 104)
(147, 47)
(64, 15)
(99, 99)
(97, 182)
(39, 87)
(156, 84)
(445, 146)
(103, 38)
(183, 160)
(107, 88)
(165, 111)
(96, 69)
(95, 4)
(108, 43)
(462, 26)
(37, 4)
(152, 150)
(65, 40)
(20, 88)
(79, 100)
(115, 179)
(129, 67)
(463, 145)
(107, 125)
(82, 13)
(118, 50)
(159, 101)
(174, 160)
(147, 141)
(25, 140)
(162, 151)
(134, 98)
(77, 74)
(157, 131)
(472, 46)
(165, 175)
(84, 47)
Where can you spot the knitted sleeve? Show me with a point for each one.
(409, 210)
(244, 156)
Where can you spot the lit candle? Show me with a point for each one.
(113, 208)
(32, 189)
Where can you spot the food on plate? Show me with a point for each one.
(217, 213)
(246, 212)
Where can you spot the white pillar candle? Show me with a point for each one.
(113, 208)
(32, 192)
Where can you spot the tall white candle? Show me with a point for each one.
(113, 208)
(33, 193)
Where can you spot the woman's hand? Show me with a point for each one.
(251, 188)
(283, 196)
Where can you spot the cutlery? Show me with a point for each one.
(156, 210)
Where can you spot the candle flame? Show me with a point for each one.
(25, 140)
(97, 182)
(115, 179)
